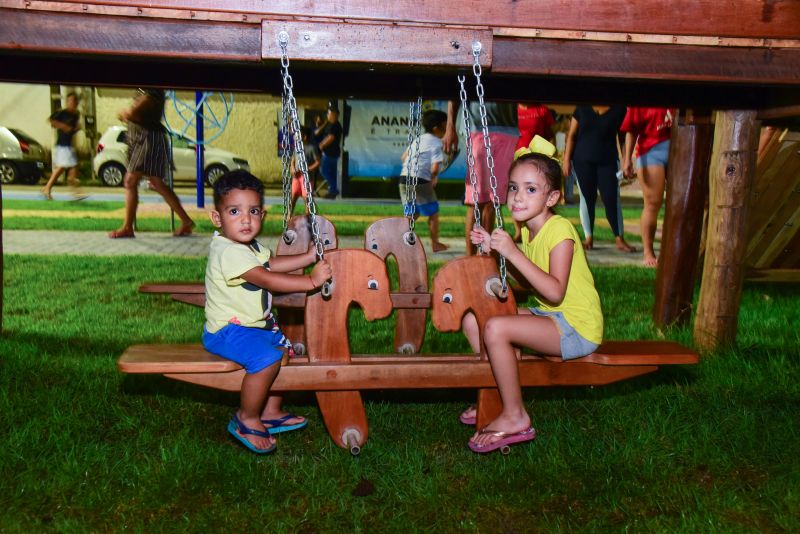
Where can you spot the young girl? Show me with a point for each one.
(568, 320)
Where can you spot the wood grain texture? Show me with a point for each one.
(635, 60)
(749, 18)
(612, 361)
(387, 237)
(376, 43)
(733, 163)
(687, 190)
(101, 35)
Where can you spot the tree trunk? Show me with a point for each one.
(733, 166)
(687, 189)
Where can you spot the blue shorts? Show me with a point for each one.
(573, 345)
(254, 349)
(423, 210)
(658, 155)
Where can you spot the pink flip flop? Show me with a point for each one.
(470, 421)
(505, 441)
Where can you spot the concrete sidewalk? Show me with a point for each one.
(147, 243)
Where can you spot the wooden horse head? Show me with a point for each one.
(299, 234)
(462, 285)
(390, 237)
(358, 276)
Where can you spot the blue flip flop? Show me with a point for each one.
(276, 426)
(236, 424)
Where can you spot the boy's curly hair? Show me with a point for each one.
(238, 179)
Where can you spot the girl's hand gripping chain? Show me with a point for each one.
(481, 238)
(502, 242)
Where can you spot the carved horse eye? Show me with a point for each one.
(372, 284)
(447, 298)
(374, 246)
(326, 242)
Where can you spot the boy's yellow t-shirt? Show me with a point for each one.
(581, 304)
(229, 298)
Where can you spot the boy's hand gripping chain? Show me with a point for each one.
(294, 129)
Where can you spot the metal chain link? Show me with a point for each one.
(487, 144)
(288, 84)
(473, 176)
(412, 169)
(286, 155)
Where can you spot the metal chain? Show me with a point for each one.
(283, 41)
(473, 176)
(286, 155)
(487, 144)
(412, 169)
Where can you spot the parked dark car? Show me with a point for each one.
(22, 158)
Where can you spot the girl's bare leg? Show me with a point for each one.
(501, 335)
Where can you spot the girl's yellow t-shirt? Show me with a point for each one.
(581, 304)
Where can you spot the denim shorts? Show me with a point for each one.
(254, 349)
(573, 345)
(658, 155)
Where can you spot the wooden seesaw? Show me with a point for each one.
(337, 376)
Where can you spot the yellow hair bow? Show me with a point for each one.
(538, 145)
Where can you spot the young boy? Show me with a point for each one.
(427, 169)
(239, 324)
(312, 161)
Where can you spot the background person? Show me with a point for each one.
(428, 166)
(591, 149)
(148, 155)
(649, 129)
(66, 123)
(330, 146)
(501, 119)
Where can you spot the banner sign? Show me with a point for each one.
(378, 135)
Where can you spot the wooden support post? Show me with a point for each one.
(687, 189)
(733, 166)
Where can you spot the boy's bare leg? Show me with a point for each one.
(255, 387)
(433, 225)
(74, 183)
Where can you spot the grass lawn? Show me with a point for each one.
(709, 448)
(351, 219)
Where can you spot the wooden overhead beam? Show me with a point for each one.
(767, 19)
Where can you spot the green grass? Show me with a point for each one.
(710, 448)
(338, 212)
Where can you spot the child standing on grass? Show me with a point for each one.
(239, 324)
(427, 168)
(568, 320)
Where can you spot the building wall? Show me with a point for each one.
(27, 107)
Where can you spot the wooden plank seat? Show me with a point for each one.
(337, 377)
(614, 361)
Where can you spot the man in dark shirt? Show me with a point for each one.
(65, 121)
(331, 131)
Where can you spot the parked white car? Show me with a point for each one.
(22, 159)
(112, 159)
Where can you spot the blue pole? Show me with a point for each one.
(198, 98)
